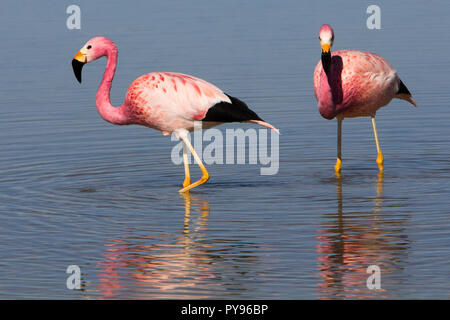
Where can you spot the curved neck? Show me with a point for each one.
(107, 111)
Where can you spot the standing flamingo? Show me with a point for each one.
(351, 83)
(165, 101)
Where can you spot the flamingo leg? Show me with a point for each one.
(380, 160)
(338, 166)
(187, 176)
(205, 174)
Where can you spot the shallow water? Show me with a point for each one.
(75, 190)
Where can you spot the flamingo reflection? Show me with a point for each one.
(349, 242)
(160, 267)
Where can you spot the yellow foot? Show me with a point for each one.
(203, 179)
(338, 167)
(380, 161)
(187, 181)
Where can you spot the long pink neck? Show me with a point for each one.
(115, 115)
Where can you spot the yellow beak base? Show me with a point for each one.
(326, 48)
(79, 57)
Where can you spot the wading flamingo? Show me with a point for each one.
(165, 101)
(351, 83)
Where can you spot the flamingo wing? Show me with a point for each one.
(168, 101)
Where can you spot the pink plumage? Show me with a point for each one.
(165, 101)
(170, 101)
(351, 83)
(358, 83)
(361, 83)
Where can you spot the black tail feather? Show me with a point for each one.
(403, 89)
(236, 111)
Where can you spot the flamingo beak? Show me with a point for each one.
(326, 57)
(77, 64)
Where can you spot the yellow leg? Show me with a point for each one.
(187, 176)
(338, 166)
(380, 160)
(205, 174)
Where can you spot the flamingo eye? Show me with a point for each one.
(89, 46)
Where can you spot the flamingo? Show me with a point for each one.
(172, 103)
(352, 83)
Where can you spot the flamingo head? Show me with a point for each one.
(93, 49)
(326, 37)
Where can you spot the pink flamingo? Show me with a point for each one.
(351, 83)
(165, 101)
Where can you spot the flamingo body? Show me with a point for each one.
(170, 101)
(165, 101)
(358, 84)
(351, 83)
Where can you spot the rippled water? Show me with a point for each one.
(75, 190)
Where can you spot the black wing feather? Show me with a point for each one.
(236, 111)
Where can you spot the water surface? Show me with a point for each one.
(75, 190)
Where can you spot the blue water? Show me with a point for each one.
(76, 190)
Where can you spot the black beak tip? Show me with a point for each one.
(77, 66)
